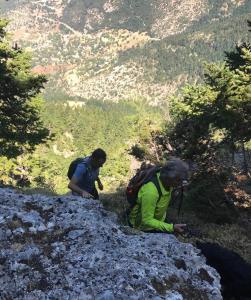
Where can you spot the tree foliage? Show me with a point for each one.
(210, 121)
(216, 113)
(21, 128)
(77, 132)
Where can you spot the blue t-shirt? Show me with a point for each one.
(86, 175)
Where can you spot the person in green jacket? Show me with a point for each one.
(149, 212)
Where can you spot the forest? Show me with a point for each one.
(208, 124)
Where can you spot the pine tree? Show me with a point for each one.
(21, 128)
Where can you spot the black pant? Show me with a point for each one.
(94, 193)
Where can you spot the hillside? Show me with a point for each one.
(80, 127)
(116, 49)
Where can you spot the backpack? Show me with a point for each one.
(73, 166)
(143, 176)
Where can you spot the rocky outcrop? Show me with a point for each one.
(71, 248)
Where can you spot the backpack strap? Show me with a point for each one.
(155, 181)
(82, 161)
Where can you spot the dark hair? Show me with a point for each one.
(99, 154)
(175, 168)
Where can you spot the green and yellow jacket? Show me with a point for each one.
(149, 212)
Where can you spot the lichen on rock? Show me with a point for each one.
(72, 248)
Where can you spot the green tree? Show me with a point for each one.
(233, 101)
(21, 128)
(210, 121)
(236, 59)
(222, 106)
(190, 131)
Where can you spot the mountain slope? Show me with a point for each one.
(122, 49)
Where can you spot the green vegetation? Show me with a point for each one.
(185, 53)
(77, 132)
(211, 128)
(121, 58)
(76, 126)
(21, 128)
(210, 120)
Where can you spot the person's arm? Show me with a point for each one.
(148, 206)
(179, 228)
(149, 201)
(75, 188)
(77, 177)
(100, 185)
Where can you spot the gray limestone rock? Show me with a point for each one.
(71, 248)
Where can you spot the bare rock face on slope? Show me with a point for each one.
(71, 248)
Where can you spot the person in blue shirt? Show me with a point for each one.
(83, 180)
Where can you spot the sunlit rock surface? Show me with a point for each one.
(71, 248)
